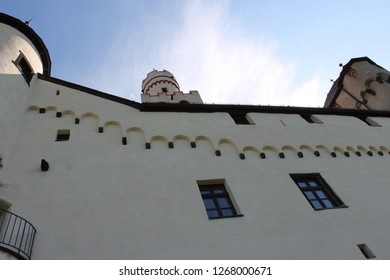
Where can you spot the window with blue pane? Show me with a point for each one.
(317, 191)
(217, 202)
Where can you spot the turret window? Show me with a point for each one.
(24, 67)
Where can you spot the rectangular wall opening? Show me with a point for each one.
(241, 118)
(366, 251)
(63, 135)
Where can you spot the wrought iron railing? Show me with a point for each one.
(16, 235)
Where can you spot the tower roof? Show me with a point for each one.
(33, 37)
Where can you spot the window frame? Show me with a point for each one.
(317, 192)
(24, 67)
(63, 135)
(221, 202)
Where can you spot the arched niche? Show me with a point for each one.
(89, 121)
(251, 152)
(204, 145)
(307, 150)
(384, 149)
(323, 149)
(112, 131)
(181, 142)
(271, 151)
(290, 151)
(351, 149)
(362, 149)
(365, 151)
(375, 150)
(342, 152)
(135, 137)
(228, 148)
(68, 113)
(159, 142)
(33, 108)
(51, 110)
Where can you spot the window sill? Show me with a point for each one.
(338, 207)
(226, 217)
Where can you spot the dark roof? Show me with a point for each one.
(33, 37)
(338, 84)
(212, 108)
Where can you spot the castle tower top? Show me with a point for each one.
(161, 86)
(159, 82)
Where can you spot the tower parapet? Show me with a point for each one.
(161, 86)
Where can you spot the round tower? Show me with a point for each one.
(162, 87)
(22, 55)
(159, 82)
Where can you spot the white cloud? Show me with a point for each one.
(306, 95)
(209, 54)
(206, 51)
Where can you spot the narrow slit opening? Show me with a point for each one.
(368, 254)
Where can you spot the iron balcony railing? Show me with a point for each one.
(16, 235)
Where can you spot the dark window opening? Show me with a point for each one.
(369, 121)
(24, 68)
(217, 201)
(164, 90)
(317, 192)
(310, 119)
(63, 135)
(368, 254)
(240, 118)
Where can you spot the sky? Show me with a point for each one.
(261, 52)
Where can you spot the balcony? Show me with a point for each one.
(16, 235)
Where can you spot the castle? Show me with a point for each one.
(88, 175)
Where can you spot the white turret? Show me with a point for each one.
(161, 86)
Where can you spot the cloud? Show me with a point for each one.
(205, 48)
(210, 54)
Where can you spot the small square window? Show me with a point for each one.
(240, 118)
(317, 192)
(310, 118)
(24, 67)
(63, 135)
(217, 201)
(164, 90)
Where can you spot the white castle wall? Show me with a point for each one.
(101, 199)
(125, 184)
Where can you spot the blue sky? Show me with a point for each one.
(238, 52)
